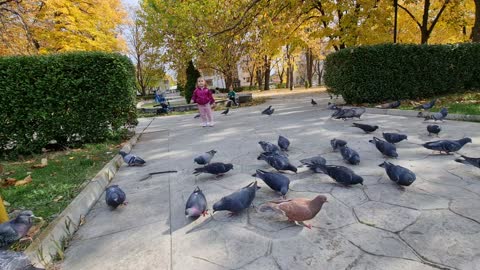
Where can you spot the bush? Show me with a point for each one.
(192, 76)
(398, 71)
(71, 98)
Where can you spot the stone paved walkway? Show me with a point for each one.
(433, 224)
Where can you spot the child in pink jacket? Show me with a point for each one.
(204, 99)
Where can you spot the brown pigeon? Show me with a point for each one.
(297, 210)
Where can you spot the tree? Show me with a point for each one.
(426, 24)
(476, 27)
(36, 26)
(192, 75)
(149, 69)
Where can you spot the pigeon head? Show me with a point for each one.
(25, 217)
(357, 180)
(122, 153)
(212, 152)
(292, 168)
(229, 166)
(320, 199)
(262, 156)
(193, 212)
(384, 164)
(284, 190)
(465, 140)
(221, 205)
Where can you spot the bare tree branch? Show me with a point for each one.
(411, 15)
(235, 25)
(430, 29)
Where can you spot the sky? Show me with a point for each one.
(130, 2)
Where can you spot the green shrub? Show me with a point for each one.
(71, 98)
(398, 71)
(190, 85)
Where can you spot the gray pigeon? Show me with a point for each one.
(196, 204)
(349, 155)
(283, 143)
(312, 163)
(469, 161)
(341, 174)
(131, 159)
(394, 137)
(331, 106)
(268, 111)
(114, 196)
(205, 158)
(438, 116)
(358, 112)
(279, 162)
(433, 129)
(337, 143)
(15, 229)
(226, 111)
(398, 174)
(391, 105)
(196, 116)
(11, 260)
(447, 146)
(365, 127)
(427, 106)
(269, 147)
(313, 102)
(216, 168)
(386, 148)
(237, 201)
(275, 181)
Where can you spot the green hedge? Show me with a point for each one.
(71, 98)
(399, 71)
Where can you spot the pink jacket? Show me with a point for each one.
(202, 96)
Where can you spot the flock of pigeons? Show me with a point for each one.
(297, 209)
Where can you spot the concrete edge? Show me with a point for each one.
(50, 244)
(411, 113)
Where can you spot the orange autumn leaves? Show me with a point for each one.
(10, 181)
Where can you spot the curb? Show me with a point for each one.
(411, 113)
(49, 245)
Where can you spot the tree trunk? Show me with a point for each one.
(259, 79)
(252, 76)
(267, 73)
(280, 75)
(476, 26)
(424, 26)
(291, 76)
(309, 63)
(287, 82)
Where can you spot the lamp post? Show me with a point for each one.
(395, 7)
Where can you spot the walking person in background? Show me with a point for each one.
(205, 101)
(232, 95)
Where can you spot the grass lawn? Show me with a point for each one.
(54, 186)
(465, 103)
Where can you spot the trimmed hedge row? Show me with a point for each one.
(400, 71)
(71, 98)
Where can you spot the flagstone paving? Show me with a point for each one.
(432, 224)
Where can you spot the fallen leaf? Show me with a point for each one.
(34, 230)
(82, 220)
(10, 172)
(25, 181)
(58, 198)
(6, 203)
(42, 164)
(9, 182)
(53, 174)
(71, 158)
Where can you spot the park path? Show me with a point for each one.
(433, 224)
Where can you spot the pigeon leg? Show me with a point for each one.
(232, 214)
(204, 213)
(219, 175)
(26, 238)
(309, 226)
(125, 203)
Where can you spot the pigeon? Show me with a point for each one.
(469, 161)
(394, 137)
(447, 146)
(427, 106)
(15, 229)
(268, 111)
(349, 155)
(279, 162)
(237, 201)
(11, 260)
(433, 129)
(196, 204)
(398, 174)
(358, 112)
(391, 105)
(216, 168)
(344, 114)
(131, 159)
(332, 106)
(313, 161)
(313, 102)
(196, 116)
(438, 116)
(269, 147)
(205, 158)
(336, 143)
(283, 143)
(226, 111)
(386, 148)
(114, 196)
(275, 181)
(340, 174)
(365, 127)
(297, 210)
